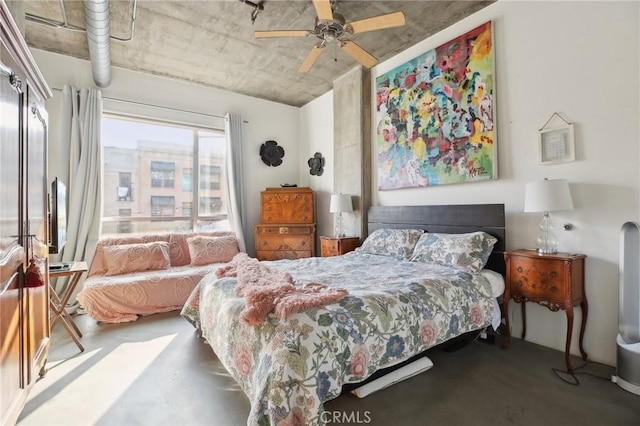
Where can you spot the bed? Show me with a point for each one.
(395, 309)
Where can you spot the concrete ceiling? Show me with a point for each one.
(212, 43)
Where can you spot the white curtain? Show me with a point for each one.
(82, 114)
(235, 179)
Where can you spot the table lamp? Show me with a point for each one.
(547, 196)
(340, 203)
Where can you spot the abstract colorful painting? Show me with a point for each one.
(435, 116)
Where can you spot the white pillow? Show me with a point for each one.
(495, 280)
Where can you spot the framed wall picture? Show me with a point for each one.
(556, 143)
(435, 115)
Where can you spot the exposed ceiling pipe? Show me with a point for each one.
(96, 16)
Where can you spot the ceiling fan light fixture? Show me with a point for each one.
(329, 29)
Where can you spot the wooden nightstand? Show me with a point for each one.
(335, 246)
(552, 280)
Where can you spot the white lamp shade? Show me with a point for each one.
(340, 203)
(547, 196)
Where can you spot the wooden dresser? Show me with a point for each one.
(287, 229)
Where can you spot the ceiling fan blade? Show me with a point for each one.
(323, 9)
(311, 58)
(281, 33)
(359, 54)
(389, 20)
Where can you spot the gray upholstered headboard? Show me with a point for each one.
(452, 219)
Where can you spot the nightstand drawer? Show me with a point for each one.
(334, 246)
(537, 278)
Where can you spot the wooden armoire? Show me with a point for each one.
(24, 310)
(287, 229)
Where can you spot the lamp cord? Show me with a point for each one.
(575, 372)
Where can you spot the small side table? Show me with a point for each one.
(552, 280)
(58, 303)
(335, 246)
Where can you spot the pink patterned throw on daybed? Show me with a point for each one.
(266, 289)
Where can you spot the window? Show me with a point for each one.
(163, 206)
(187, 179)
(163, 160)
(187, 208)
(124, 187)
(162, 174)
(125, 227)
(210, 176)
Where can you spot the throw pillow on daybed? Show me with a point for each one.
(126, 258)
(207, 250)
(468, 252)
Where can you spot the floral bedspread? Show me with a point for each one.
(395, 309)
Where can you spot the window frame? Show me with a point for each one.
(216, 126)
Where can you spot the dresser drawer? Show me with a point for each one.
(282, 254)
(284, 242)
(284, 230)
(287, 205)
(274, 242)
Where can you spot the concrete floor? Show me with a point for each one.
(157, 372)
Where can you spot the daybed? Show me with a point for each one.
(412, 285)
(141, 275)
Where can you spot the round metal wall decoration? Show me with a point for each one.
(316, 164)
(271, 153)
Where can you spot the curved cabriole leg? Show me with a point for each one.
(585, 311)
(567, 346)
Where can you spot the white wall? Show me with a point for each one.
(316, 135)
(266, 120)
(579, 59)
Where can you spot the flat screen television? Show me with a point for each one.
(58, 219)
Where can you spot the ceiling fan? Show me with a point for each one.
(331, 27)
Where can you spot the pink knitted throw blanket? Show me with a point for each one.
(268, 289)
